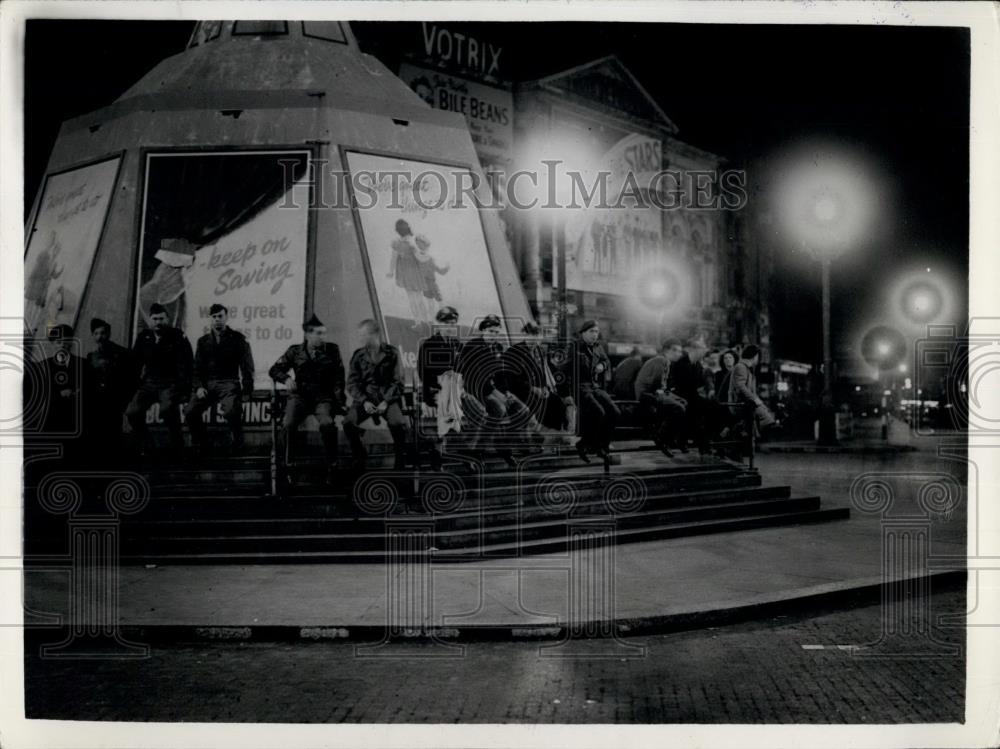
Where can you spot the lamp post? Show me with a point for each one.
(828, 412)
(824, 198)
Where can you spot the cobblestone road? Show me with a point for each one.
(763, 672)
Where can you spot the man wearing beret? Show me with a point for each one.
(375, 385)
(598, 412)
(437, 356)
(112, 374)
(222, 359)
(163, 355)
(316, 388)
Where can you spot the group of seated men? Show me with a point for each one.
(691, 393)
(504, 393)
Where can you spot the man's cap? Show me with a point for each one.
(156, 308)
(447, 314)
(312, 322)
(531, 328)
(217, 308)
(97, 322)
(587, 325)
(490, 321)
(60, 332)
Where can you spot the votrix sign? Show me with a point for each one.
(461, 50)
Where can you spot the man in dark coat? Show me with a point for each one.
(529, 376)
(480, 362)
(317, 387)
(652, 390)
(163, 356)
(222, 358)
(598, 412)
(623, 379)
(111, 372)
(438, 355)
(687, 379)
(375, 384)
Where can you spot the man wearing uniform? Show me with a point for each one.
(598, 412)
(375, 384)
(317, 388)
(163, 356)
(438, 355)
(480, 362)
(222, 357)
(112, 374)
(529, 376)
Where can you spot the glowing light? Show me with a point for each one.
(657, 289)
(825, 209)
(883, 347)
(902, 368)
(918, 298)
(826, 198)
(661, 293)
(857, 388)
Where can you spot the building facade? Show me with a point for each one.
(692, 262)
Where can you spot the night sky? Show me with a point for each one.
(743, 92)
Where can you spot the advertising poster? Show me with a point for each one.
(62, 243)
(247, 253)
(487, 110)
(610, 247)
(423, 253)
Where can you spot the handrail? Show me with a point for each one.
(277, 467)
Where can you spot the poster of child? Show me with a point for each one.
(429, 268)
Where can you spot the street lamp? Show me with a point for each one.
(825, 201)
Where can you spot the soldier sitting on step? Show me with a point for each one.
(221, 357)
(317, 388)
(163, 355)
(375, 385)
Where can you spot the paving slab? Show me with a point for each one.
(649, 581)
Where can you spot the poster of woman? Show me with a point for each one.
(63, 242)
(425, 249)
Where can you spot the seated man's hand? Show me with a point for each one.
(382, 407)
(369, 407)
(201, 393)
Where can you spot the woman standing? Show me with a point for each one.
(405, 268)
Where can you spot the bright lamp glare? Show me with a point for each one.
(825, 198)
(657, 289)
(825, 209)
(884, 348)
(902, 367)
